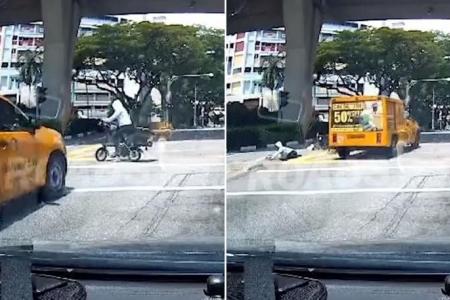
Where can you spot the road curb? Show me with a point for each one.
(254, 148)
(79, 135)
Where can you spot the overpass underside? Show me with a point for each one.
(303, 20)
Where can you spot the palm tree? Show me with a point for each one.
(30, 68)
(272, 69)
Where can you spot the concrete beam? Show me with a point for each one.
(303, 21)
(25, 11)
(116, 7)
(61, 23)
(264, 14)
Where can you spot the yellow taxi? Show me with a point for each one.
(32, 157)
(371, 122)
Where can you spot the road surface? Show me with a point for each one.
(177, 191)
(320, 198)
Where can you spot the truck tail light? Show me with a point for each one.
(378, 138)
(334, 138)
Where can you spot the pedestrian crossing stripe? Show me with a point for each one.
(82, 153)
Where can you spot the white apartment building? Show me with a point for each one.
(243, 56)
(16, 39)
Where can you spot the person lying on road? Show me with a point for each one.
(283, 153)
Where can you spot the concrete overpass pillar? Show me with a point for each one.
(61, 22)
(303, 21)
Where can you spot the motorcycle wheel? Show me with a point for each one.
(101, 154)
(135, 155)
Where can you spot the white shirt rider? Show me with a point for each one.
(120, 114)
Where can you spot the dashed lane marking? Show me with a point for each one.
(339, 191)
(149, 188)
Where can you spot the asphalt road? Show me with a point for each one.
(319, 197)
(176, 191)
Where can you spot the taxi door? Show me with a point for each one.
(5, 156)
(17, 152)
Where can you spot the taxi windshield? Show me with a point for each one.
(115, 135)
(345, 143)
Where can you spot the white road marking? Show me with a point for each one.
(148, 188)
(156, 165)
(357, 168)
(338, 191)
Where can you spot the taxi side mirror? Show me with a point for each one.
(34, 125)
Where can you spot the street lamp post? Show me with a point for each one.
(195, 105)
(171, 80)
(410, 84)
(432, 109)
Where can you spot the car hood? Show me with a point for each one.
(393, 256)
(153, 256)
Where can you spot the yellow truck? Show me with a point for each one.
(370, 122)
(32, 157)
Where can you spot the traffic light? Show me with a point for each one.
(41, 94)
(284, 96)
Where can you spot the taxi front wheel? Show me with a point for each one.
(56, 178)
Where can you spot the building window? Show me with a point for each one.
(229, 66)
(4, 65)
(39, 42)
(228, 85)
(15, 82)
(231, 45)
(256, 56)
(239, 46)
(248, 70)
(247, 87)
(257, 69)
(237, 70)
(3, 81)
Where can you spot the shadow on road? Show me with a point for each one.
(19, 208)
(96, 138)
(374, 154)
(129, 161)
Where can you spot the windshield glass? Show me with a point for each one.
(126, 143)
(356, 154)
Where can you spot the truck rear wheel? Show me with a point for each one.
(416, 143)
(393, 151)
(343, 153)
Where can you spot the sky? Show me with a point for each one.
(424, 25)
(209, 20)
(219, 21)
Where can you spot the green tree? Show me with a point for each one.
(272, 69)
(386, 57)
(148, 54)
(210, 90)
(30, 68)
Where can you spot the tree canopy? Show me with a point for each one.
(149, 54)
(272, 69)
(386, 57)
